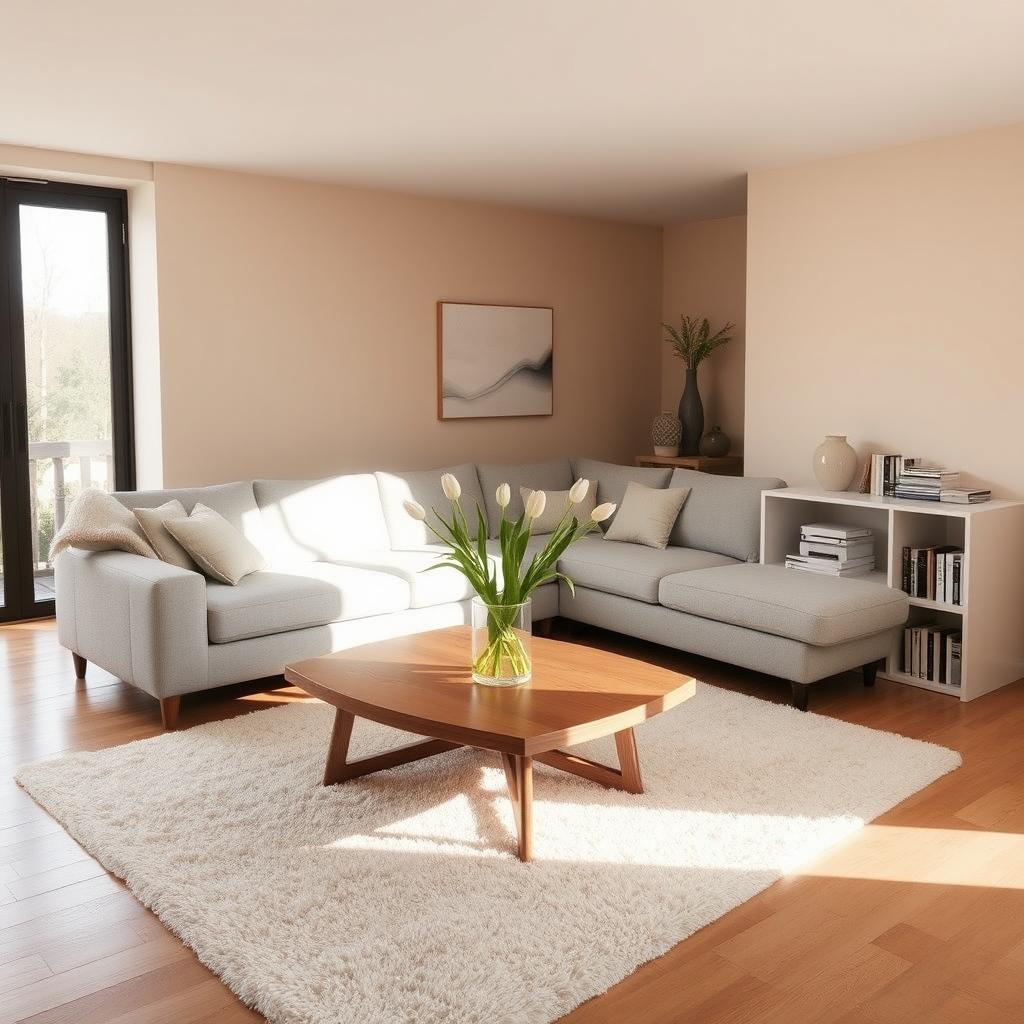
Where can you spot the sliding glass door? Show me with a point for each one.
(65, 371)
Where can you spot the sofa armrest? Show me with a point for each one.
(139, 618)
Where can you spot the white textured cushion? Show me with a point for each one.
(818, 610)
(320, 520)
(217, 547)
(152, 521)
(556, 505)
(647, 515)
(97, 521)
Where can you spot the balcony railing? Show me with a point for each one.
(74, 465)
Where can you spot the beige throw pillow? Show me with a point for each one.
(97, 521)
(220, 550)
(153, 522)
(555, 507)
(647, 515)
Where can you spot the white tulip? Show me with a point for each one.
(503, 495)
(535, 504)
(602, 512)
(578, 491)
(415, 509)
(450, 486)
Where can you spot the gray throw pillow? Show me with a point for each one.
(647, 515)
(154, 525)
(556, 505)
(219, 549)
(611, 480)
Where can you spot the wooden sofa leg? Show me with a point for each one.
(870, 673)
(80, 665)
(799, 698)
(169, 711)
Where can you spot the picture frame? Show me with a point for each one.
(494, 361)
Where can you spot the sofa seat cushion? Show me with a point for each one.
(630, 570)
(297, 596)
(817, 610)
(427, 587)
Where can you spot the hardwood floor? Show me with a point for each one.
(919, 917)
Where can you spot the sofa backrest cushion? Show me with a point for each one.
(613, 479)
(236, 502)
(722, 513)
(424, 486)
(320, 520)
(555, 475)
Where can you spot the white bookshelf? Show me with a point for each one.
(991, 534)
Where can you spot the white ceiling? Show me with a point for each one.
(646, 110)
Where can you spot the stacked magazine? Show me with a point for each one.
(833, 549)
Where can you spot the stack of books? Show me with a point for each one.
(965, 495)
(834, 550)
(934, 653)
(935, 573)
(885, 472)
(924, 483)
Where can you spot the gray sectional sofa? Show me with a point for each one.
(345, 567)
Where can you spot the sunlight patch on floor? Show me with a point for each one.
(935, 856)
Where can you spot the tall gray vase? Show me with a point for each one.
(691, 415)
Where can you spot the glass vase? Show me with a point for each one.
(501, 643)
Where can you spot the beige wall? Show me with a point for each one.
(297, 326)
(885, 300)
(704, 274)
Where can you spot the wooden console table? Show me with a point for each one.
(724, 465)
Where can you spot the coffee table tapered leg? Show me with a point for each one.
(524, 783)
(629, 761)
(337, 752)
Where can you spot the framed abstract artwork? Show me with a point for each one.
(493, 360)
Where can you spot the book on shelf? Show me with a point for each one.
(924, 483)
(834, 549)
(832, 531)
(964, 495)
(934, 573)
(842, 552)
(885, 472)
(933, 653)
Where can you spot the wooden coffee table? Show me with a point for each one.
(422, 684)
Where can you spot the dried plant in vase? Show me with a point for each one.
(692, 341)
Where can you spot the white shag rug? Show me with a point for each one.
(398, 897)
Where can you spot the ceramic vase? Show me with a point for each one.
(835, 463)
(691, 414)
(666, 433)
(715, 443)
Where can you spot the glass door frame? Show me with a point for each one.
(20, 601)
